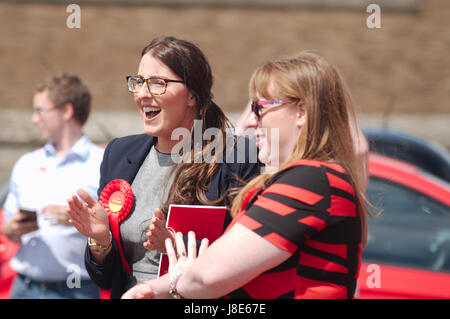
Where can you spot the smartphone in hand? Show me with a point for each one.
(31, 215)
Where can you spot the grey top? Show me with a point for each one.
(150, 193)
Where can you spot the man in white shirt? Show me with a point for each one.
(50, 260)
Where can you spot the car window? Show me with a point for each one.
(412, 231)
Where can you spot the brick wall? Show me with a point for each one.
(400, 66)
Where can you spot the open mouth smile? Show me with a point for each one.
(151, 112)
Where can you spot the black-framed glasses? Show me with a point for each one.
(257, 106)
(155, 85)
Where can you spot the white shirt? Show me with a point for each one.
(39, 179)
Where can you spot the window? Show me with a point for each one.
(413, 230)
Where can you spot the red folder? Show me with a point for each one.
(204, 221)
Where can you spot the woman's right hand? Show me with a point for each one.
(90, 219)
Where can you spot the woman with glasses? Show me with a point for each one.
(297, 231)
(172, 90)
(246, 123)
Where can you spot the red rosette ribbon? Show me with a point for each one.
(117, 199)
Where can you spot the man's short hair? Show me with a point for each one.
(68, 88)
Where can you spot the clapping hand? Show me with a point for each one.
(90, 219)
(158, 233)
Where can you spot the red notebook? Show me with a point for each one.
(204, 221)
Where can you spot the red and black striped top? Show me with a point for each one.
(308, 210)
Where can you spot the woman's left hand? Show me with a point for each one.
(180, 260)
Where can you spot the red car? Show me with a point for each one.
(408, 251)
(7, 251)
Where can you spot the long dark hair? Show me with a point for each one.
(184, 58)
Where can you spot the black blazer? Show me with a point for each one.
(122, 159)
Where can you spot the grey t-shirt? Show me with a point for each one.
(150, 188)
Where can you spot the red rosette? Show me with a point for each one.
(117, 198)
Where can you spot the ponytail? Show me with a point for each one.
(190, 180)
